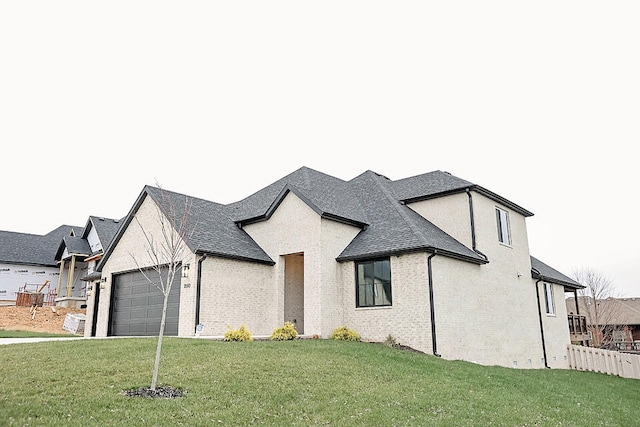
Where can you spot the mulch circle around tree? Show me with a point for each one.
(167, 392)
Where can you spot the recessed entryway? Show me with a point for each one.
(294, 290)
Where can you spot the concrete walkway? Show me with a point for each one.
(39, 339)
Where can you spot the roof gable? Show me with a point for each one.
(394, 228)
(214, 232)
(74, 246)
(330, 197)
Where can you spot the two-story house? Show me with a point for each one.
(77, 257)
(437, 262)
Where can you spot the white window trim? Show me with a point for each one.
(503, 226)
(549, 304)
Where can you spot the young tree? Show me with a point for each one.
(166, 247)
(598, 304)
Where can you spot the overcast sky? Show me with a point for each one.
(536, 101)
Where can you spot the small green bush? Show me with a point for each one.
(390, 341)
(284, 333)
(242, 334)
(345, 334)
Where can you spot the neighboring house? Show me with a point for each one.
(437, 262)
(613, 323)
(77, 257)
(27, 262)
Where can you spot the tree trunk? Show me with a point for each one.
(156, 365)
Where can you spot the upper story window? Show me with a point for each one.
(502, 218)
(548, 299)
(373, 283)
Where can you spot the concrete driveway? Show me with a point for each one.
(28, 340)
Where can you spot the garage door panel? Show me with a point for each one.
(139, 328)
(137, 306)
(138, 314)
(138, 289)
(122, 305)
(156, 300)
(154, 313)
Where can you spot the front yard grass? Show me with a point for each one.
(294, 383)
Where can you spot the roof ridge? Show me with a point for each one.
(400, 208)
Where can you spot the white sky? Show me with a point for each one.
(536, 101)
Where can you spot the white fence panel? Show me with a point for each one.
(607, 362)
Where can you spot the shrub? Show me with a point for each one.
(390, 341)
(344, 334)
(242, 334)
(284, 333)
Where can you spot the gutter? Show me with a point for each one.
(473, 226)
(198, 287)
(544, 348)
(432, 305)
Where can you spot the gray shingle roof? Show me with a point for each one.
(438, 183)
(74, 245)
(212, 230)
(106, 229)
(327, 195)
(540, 270)
(370, 201)
(394, 228)
(32, 249)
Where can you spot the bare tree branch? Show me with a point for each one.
(597, 301)
(166, 248)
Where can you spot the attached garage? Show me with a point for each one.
(136, 305)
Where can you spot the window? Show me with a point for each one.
(548, 298)
(502, 217)
(373, 283)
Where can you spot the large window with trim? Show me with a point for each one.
(502, 218)
(373, 283)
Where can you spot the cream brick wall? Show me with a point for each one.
(121, 260)
(296, 228)
(487, 314)
(234, 293)
(407, 320)
(450, 213)
(556, 328)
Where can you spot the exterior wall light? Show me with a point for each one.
(185, 270)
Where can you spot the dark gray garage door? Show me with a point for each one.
(136, 306)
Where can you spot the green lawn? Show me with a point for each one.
(304, 382)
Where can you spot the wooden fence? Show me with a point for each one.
(607, 362)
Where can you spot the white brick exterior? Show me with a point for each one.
(295, 228)
(121, 260)
(483, 313)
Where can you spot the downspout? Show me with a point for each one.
(473, 226)
(432, 305)
(198, 287)
(544, 348)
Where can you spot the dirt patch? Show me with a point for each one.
(167, 392)
(18, 318)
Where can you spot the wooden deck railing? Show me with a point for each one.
(578, 330)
